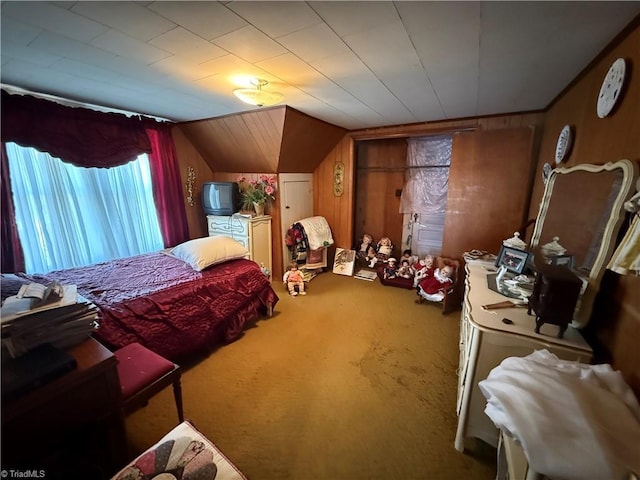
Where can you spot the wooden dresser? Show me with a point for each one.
(485, 340)
(76, 417)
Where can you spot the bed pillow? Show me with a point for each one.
(201, 253)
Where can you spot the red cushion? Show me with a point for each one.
(138, 367)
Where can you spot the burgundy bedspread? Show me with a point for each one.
(164, 304)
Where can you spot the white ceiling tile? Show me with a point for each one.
(85, 71)
(348, 17)
(178, 68)
(59, 45)
(128, 17)
(205, 18)
(38, 57)
(276, 18)
(454, 17)
(291, 69)
(314, 43)
(51, 17)
(16, 31)
(129, 47)
(185, 44)
(250, 44)
(351, 63)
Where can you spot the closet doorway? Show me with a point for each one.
(424, 196)
(381, 177)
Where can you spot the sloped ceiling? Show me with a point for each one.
(272, 140)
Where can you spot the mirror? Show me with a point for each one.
(583, 207)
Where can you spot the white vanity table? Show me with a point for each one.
(485, 340)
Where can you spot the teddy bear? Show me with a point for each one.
(383, 251)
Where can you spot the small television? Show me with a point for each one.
(221, 198)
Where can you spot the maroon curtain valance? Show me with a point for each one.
(81, 136)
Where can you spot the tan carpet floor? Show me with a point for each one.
(352, 381)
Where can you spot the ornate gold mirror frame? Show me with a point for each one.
(583, 206)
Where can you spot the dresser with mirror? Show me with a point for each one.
(582, 206)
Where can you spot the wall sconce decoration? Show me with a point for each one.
(191, 180)
(338, 179)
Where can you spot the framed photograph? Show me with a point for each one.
(513, 260)
(344, 261)
(562, 260)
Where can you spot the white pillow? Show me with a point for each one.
(201, 253)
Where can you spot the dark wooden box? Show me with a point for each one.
(555, 295)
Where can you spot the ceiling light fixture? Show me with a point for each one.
(257, 96)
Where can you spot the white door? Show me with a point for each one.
(422, 234)
(296, 194)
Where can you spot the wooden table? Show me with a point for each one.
(74, 418)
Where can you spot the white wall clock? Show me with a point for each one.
(611, 87)
(564, 143)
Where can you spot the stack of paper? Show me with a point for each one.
(26, 323)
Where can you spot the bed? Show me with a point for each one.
(174, 303)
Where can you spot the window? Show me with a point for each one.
(70, 216)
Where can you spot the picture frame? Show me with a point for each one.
(562, 260)
(344, 261)
(513, 260)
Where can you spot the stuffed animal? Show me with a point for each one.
(292, 279)
(424, 268)
(434, 287)
(383, 251)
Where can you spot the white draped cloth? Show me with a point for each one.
(318, 232)
(626, 259)
(574, 421)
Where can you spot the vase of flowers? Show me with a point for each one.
(257, 192)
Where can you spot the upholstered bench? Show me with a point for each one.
(144, 373)
(184, 452)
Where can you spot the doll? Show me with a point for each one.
(390, 269)
(383, 251)
(434, 287)
(405, 270)
(292, 279)
(424, 268)
(407, 255)
(365, 250)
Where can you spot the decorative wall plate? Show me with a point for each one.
(564, 143)
(611, 87)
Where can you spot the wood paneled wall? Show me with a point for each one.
(615, 325)
(188, 156)
(340, 211)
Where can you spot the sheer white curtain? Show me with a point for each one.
(428, 159)
(70, 216)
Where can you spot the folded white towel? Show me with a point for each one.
(318, 232)
(574, 421)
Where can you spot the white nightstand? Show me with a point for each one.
(254, 233)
